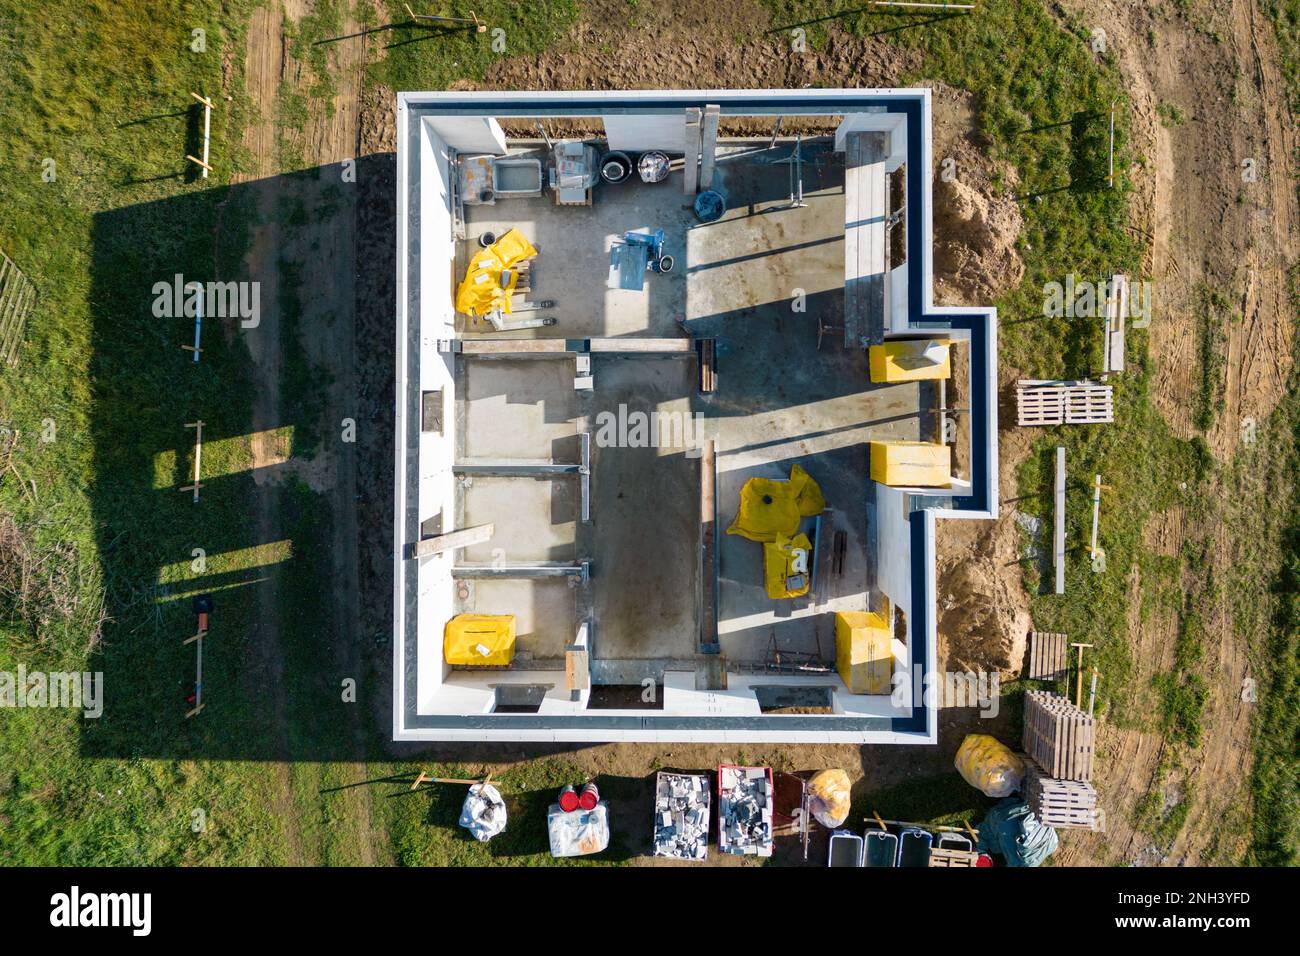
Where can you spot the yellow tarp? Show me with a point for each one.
(779, 566)
(481, 291)
(864, 653)
(911, 463)
(771, 509)
(479, 640)
(908, 361)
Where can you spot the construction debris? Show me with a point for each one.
(681, 816)
(484, 812)
(745, 810)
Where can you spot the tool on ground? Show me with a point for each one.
(1078, 693)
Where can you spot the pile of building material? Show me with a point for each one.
(1064, 804)
(745, 810)
(1058, 735)
(681, 816)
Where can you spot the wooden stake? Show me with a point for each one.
(195, 159)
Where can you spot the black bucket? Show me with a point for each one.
(615, 167)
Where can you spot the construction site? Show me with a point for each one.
(758, 557)
(603, 432)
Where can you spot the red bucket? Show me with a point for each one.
(568, 799)
(589, 797)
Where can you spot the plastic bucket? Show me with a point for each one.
(568, 799)
(588, 797)
(709, 206)
(615, 167)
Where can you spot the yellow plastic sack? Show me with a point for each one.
(829, 797)
(989, 766)
(771, 509)
(481, 291)
(779, 566)
(479, 640)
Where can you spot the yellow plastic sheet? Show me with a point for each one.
(479, 640)
(864, 652)
(481, 291)
(771, 509)
(989, 766)
(779, 566)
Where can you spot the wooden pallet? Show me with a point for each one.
(1063, 403)
(1048, 655)
(17, 297)
(953, 858)
(1064, 804)
(1058, 735)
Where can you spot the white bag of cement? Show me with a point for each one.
(578, 832)
(484, 812)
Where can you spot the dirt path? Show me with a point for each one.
(322, 249)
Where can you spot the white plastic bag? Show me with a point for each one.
(484, 812)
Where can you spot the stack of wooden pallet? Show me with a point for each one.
(1064, 804)
(1048, 655)
(1058, 735)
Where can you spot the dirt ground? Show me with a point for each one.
(1187, 204)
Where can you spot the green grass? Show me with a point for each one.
(424, 58)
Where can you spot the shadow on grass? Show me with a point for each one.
(264, 698)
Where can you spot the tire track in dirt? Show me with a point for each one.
(264, 69)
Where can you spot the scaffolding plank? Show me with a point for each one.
(865, 199)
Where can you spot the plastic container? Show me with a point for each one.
(709, 206)
(568, 800)
(588, 797)
(845, 850)
(881, 849)
(914, 847)
(653, 166)
(615, 167)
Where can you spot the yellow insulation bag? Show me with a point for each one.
(864, 652)
(989, 766)
(780, 565)
(479, 640)
(772, 509)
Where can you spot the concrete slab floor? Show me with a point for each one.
(645, 511)
(516, 408)
(545, 610)
(535, 519)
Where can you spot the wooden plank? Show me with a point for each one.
(641, 345)
(708, 546)
(462, 538)
(513, 346)
(1047, 655)
(577, 673)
